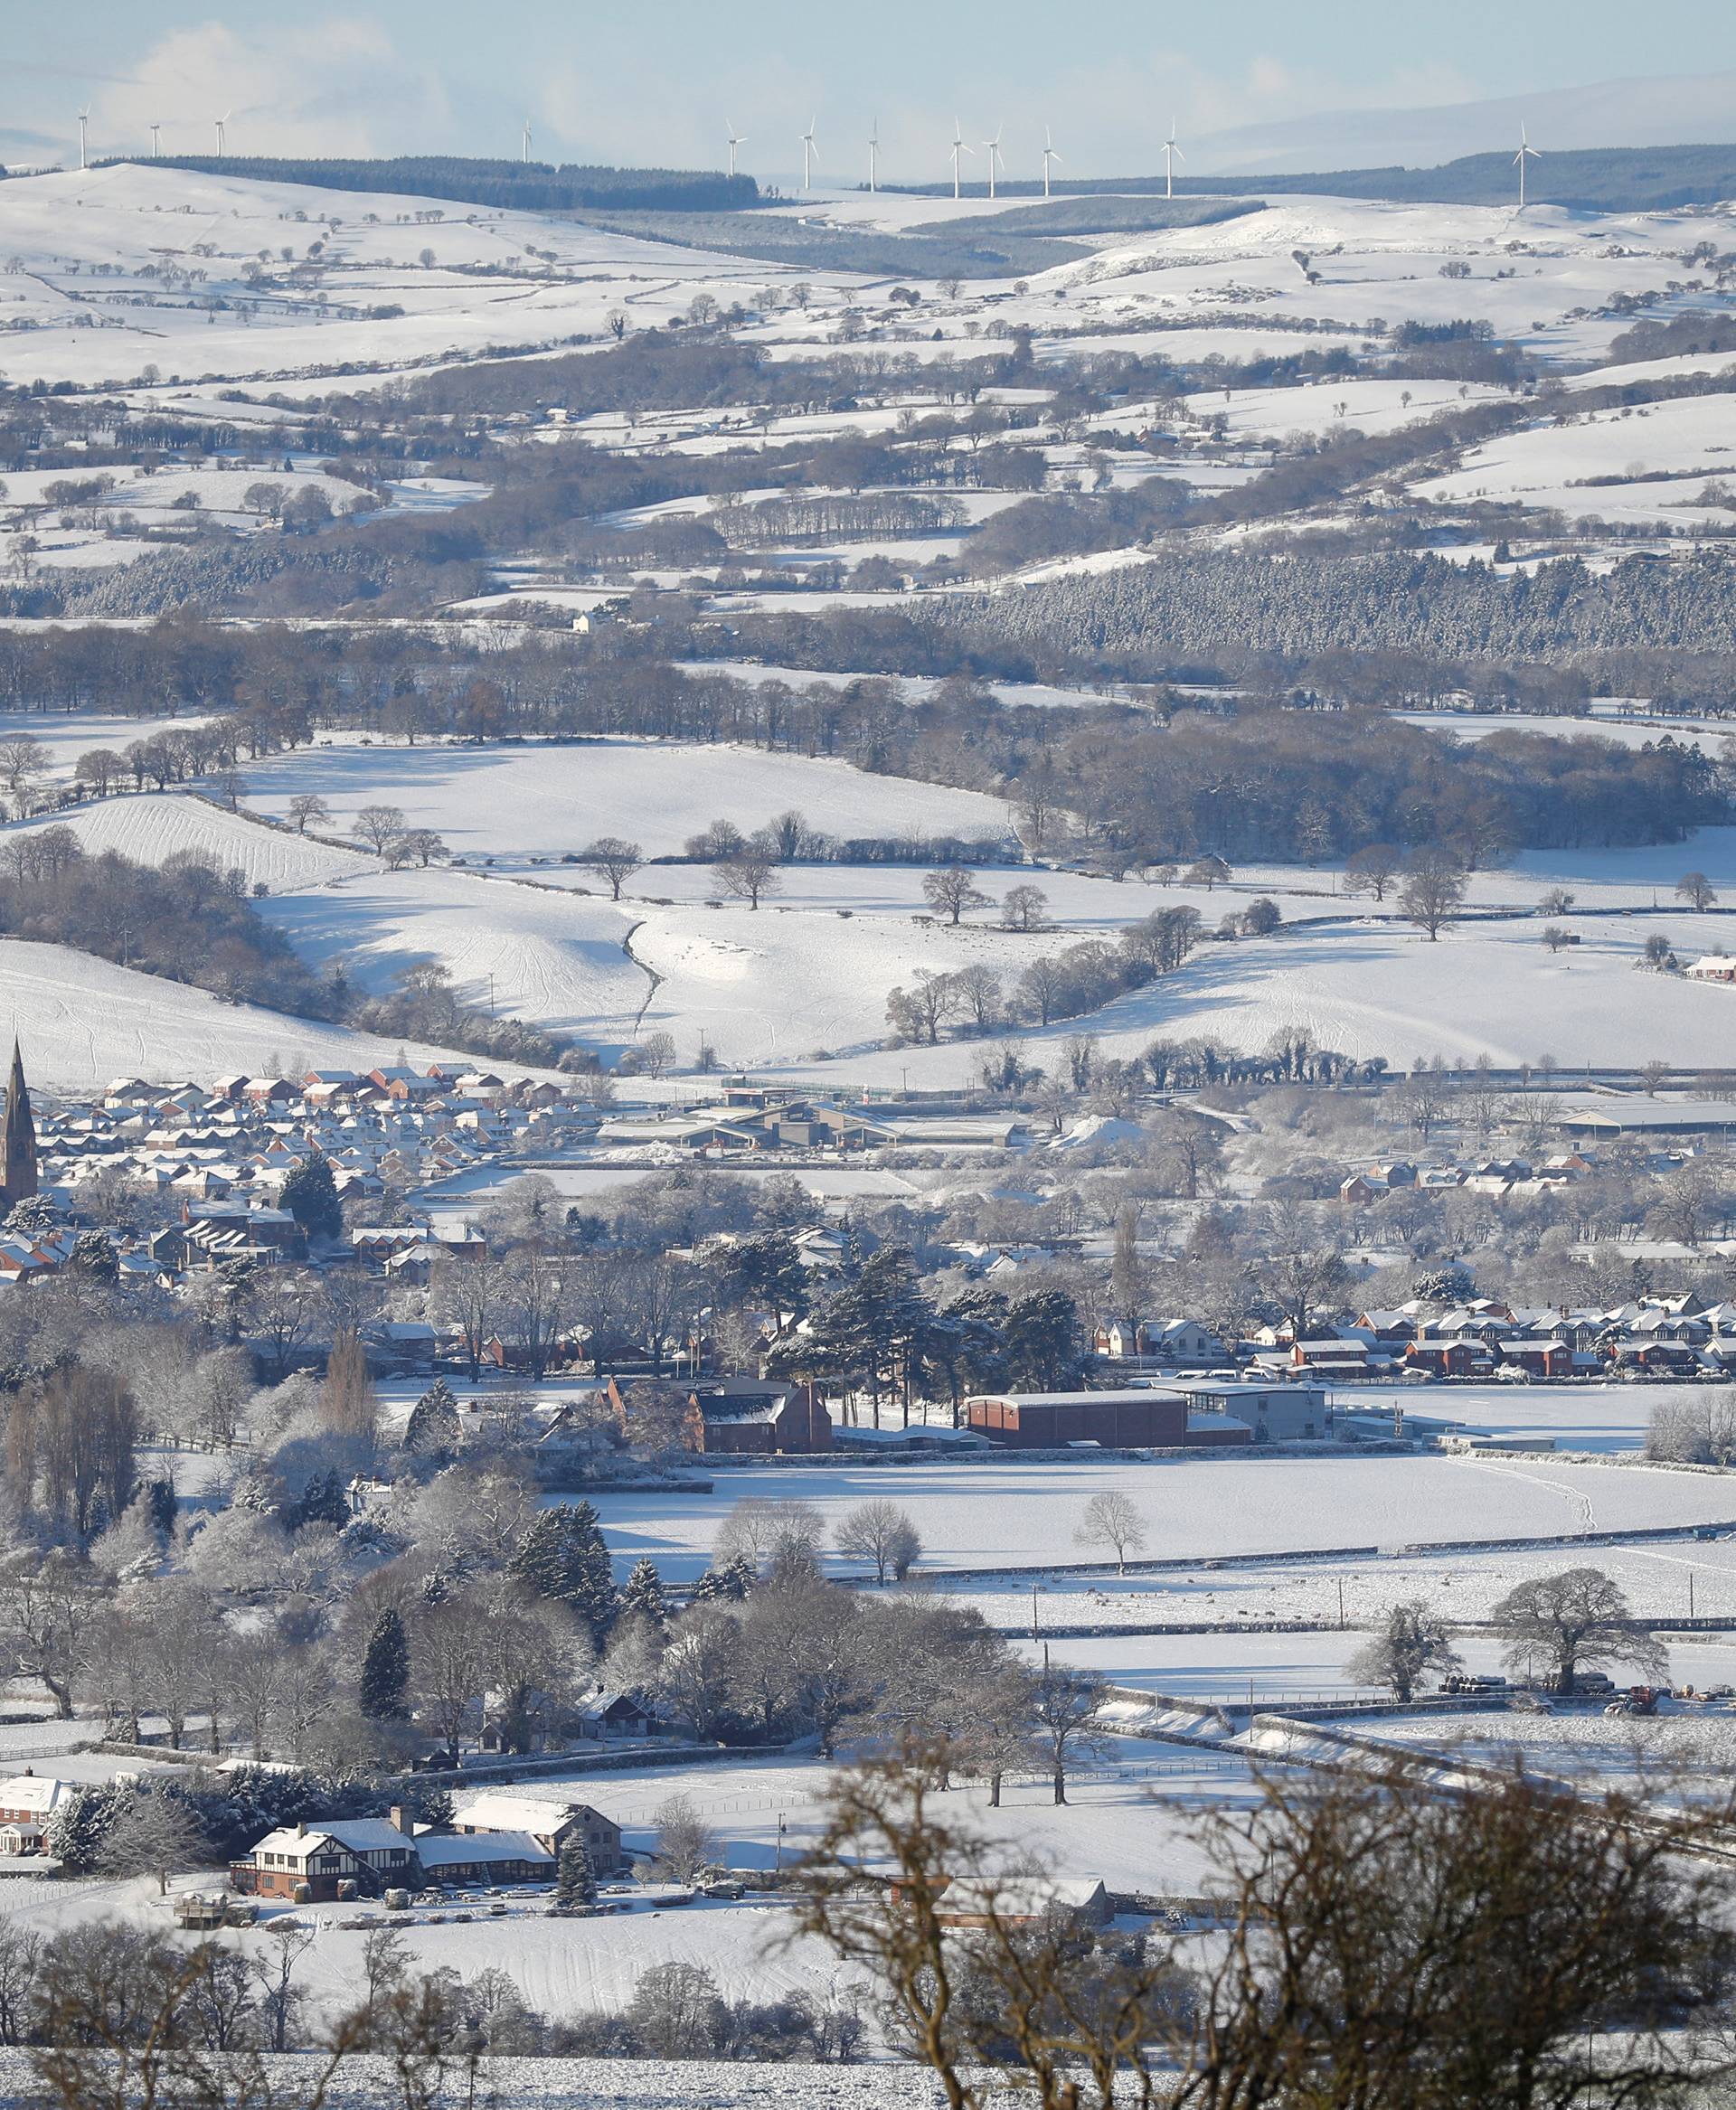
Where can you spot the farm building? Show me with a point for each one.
(1132, 1419)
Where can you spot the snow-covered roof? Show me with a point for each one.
(440, 1850)
(38, 1792)
(498, 1812)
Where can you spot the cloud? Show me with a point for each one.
(332, 86)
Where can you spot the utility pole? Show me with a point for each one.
(1341, 1603)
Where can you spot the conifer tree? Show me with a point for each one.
(562, 1556)
(385, 1670)
(644, 1595)
(575, 1880)
(433, 1429)
(310, 1195)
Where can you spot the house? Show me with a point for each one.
(369, 1851)
(1470, 1357)
(1330, 1356)
(549, 1823)
(752, 1414)
(27, 1802)
(1714, 967)
(614, 1715)
(1168, 1340)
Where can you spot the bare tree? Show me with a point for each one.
(952, 890)
(613, 859)
(748, 875)
(154, 1835)
(1572, 1622)
(1694, 887)
(1112, 1519)
(378, 826)
(1066, 1706)
(1380, 1944)
(1433, 892)
(686, 1845)
(881, 1532)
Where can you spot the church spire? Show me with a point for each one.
(18, 1157)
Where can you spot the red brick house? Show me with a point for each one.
(757, 1415)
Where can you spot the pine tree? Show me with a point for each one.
(323, 1501)
(310, 1195)
(433, 1429)
(737, 1577)
(562, 1556)
(710, 1588)
(643, 1594)
(78, 1830)
(161, 1496)
(385, 1670)
(575, 1880)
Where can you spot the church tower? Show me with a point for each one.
(18, 1166)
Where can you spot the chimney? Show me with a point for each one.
(301, 1831)
(399, 1819)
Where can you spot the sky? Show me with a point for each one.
(1291, 83)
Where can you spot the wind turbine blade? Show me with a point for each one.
(1178, 152)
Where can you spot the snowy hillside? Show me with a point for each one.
(86, 1022)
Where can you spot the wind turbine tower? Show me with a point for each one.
(1527, 152)
(157, 142)
(222, 142)
(525, 143)
(958, 147)
(873, 159)
(736, 139)
(1172, 155)
(1049, 155)
(992, 147)
(84, 120)
(810, 155)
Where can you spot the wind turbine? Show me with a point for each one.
(84, 119)
(736, 139)
(1049, 155)
(958, 147)
(873, 158)
(810, 154)
(525, 148)
(1172, 154)
(992, 147)
(1527, 152)
(157, 142)
(221, 148)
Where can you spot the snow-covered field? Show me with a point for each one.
(83, 1022)
(1548, 464)
(557, 959)
(1379, 988)
(516, 802)
(149, 827)
(1007, 1513)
